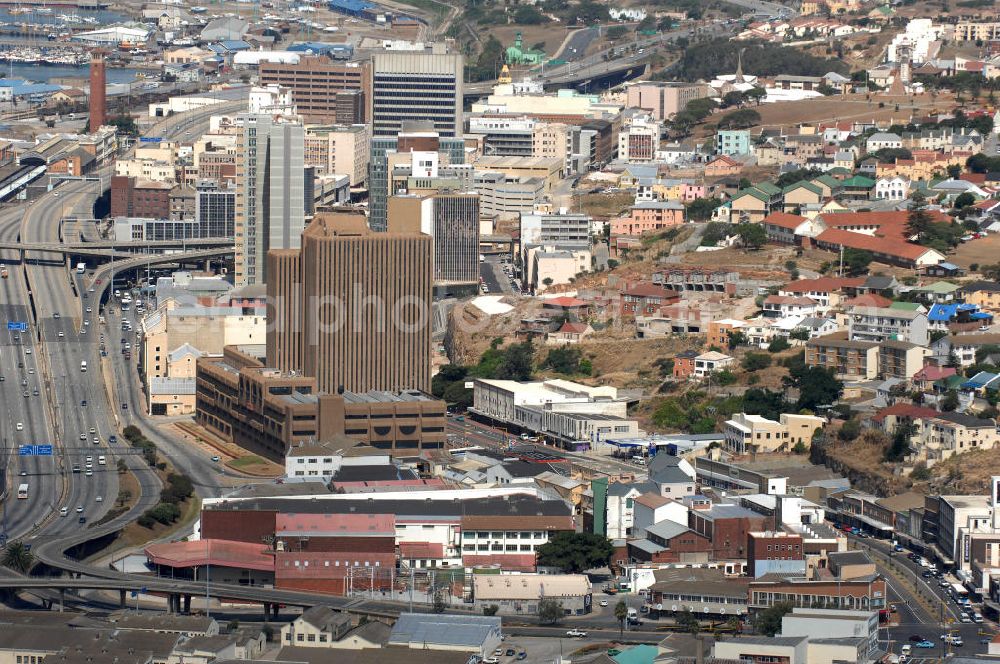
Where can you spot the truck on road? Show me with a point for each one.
(81, 268)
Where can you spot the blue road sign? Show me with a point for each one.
(17, 326)
(43, 450)
(134, 594)
(26, 450)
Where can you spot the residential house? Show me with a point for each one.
(881, 324)
(649, 216)
(646, 299)
(722, 166)
(947, 434)
(569, 333)
(850, 360)
(708, 363)
(901, 359)
(791, 228)
(621, 507)
(652, 508)
(753, 433)
(883, 140)
(984, 294)
(673, 476)
(755, 203)
(893, 188)
(828, 292)
(684, 364)
(800, 194)
(733, 142)
(857, 188)
(929, 374)
(670, 542)
(781, 306)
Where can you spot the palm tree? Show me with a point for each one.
(621, 613)
(17, 557)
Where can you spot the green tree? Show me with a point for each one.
(735, 339)
(768, 621)
(900, 445)
(550, 611)
(733, 98)
(799, 333)
(517, 362)
(621, 613)
(817, 386)
(17, 557)
(756, 361)
(565, 360)
(918, 222)
(529, 15)
(724, 377)
(752, 236)
(741, 119)
(965, 199)
(688, 622)
(849, 431)
(954, 171)
(950, 401)
(701, 209)
(777, 345)
(438, 604)
(126, 125)
(575, 553)
(856, 261)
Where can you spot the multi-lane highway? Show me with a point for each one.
(23, 419)
(66, 406)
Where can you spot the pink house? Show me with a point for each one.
(647, 217)
(689, 192)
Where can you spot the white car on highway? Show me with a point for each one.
(20, 426)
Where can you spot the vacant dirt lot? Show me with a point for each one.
(985, 251)
(550, 35)
(849, 107)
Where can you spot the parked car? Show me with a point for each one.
(923, 644)
(579, 633)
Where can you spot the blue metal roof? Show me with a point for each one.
(942, 312)
(980, 380)
(350, 5)
(21, 87)
(945, 312)
(234, 45)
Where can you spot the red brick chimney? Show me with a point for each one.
(98, 91)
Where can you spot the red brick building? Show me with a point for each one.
(646, 299)
(131, 197)
(768, 545)
(727, 527)
(669, 542)
(684, 364)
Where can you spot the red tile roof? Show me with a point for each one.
(221, 553)
(790, 299)
(974, 178)
(564, 302)
(896, 247)
(421, 549)
(933, 372)
(336, 525)
(905, 410)
(646, 289)
(823, 284)
(869, 300)
(784, 220)
(725, 159)
(573, 328)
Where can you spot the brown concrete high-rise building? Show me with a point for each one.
(98, 92)
(352, 307)
(323, 91)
